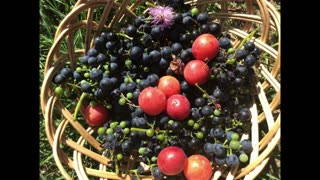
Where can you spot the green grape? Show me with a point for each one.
(235, 136)
(109, 131)
(106, 67)
(79, 69)
(154, 158)
(129, 95)
(101, 130)
(86, 75)
(119, 156)
(160, 137)
(123, 124)
(58, 90)
(126, 80)
(217, 112)
(113, 125)
(196, 126)
(122, 101)
(204, 96)
(150, 132)
(190, 122)
(194, 11)
(231, 50)
(199, 135)
(234, 144)
(128, 63)
(170, 121)
(243, 158)
(126, 130)
(83, 81)
(141, 150)
(84, 67)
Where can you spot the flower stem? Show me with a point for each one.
(150, 4)
(82, 97)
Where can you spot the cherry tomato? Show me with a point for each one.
(152, 101)
(171, 160)
(96, 115)
(196, 71)
(178, 107)
(169, 85)
(197, 167)
(205, 47)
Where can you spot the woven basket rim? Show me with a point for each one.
(269, 19)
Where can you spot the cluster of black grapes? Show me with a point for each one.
(121, 64)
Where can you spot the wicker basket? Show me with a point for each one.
(88, 148)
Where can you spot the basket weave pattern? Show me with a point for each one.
(113, 12)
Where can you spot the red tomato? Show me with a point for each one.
(196, 71)
(96, 115)
(152, 101)
(171, 160)
(169, 85)
(205, 47)
(197, 167)
(178, 107)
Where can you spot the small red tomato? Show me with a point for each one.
(152, 101)
(169, 85)
(96, 115)
(178, 107)
(205, 47)
(196, 71)
(171, 160)
(197, 167)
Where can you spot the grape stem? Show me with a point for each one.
(135, 171)
(130, 103)
(125, 36)
(212, 101)
(116, 165)
(73, 85)
(129, 77)
(145, 130)
(246, 39)
(82, 97)
(231, 61)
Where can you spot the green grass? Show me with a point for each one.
(51, 14)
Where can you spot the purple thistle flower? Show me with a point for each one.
(161, 16)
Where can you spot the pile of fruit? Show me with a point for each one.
(169, 90)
